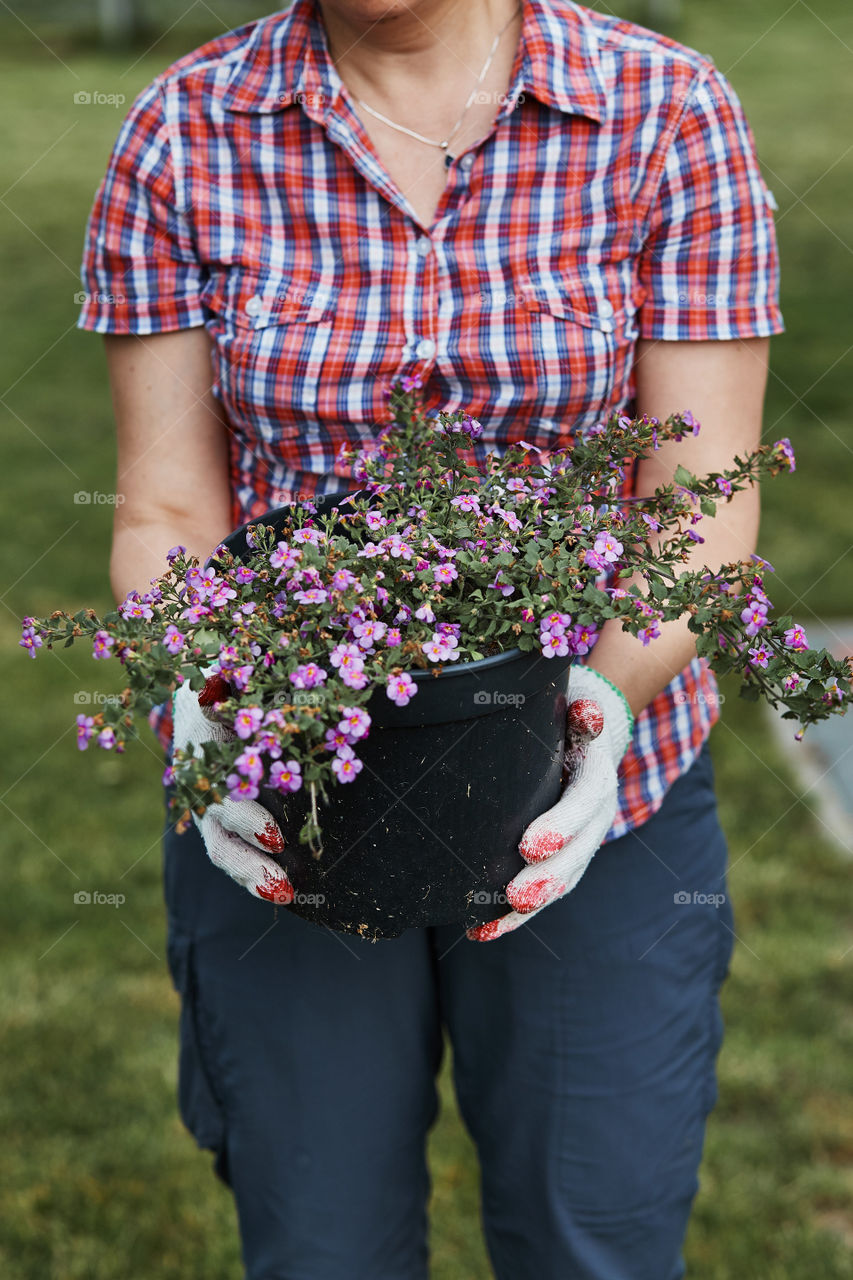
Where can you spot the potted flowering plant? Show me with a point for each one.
(393, 662)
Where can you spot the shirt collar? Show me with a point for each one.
(287, 61)
(560, 63)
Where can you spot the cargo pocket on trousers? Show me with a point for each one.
(199, 1100)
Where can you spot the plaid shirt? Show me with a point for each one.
(617, 196)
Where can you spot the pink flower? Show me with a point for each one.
(354, 721)
(401, 689)
(346, 768)
(248, 721)
(286, 777)
(795, 638)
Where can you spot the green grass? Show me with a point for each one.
(97, 1177)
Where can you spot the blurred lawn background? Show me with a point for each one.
(97, 1176)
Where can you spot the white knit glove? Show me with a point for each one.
(559, 845)
(234, 830)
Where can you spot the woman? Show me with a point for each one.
(548, 214)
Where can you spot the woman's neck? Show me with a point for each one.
(385, 45)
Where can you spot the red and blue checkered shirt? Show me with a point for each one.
(616, 197)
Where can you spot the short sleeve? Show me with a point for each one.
(140, 272)
(710, 263)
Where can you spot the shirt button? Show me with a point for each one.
(425, 349)
(606, 309)
(467, 162)
(254, 306)
(423, 246)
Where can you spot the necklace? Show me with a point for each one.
(431, 142)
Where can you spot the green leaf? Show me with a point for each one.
(684, 477)
(708, 507)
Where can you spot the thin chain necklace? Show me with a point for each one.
(431, 142)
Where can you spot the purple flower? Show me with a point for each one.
(649, 633)
(247, 722)
(755, 617)
(174, 640)
(135, 606)
(286, 777)
(785, 453)
(553, 645)
(249, 764)
(466, 502)
(393, 637)
(355, 721)
(594, 561)
(354, 677)
(401, 689)
(307, 676)
(107, 738)
(343, 579)
(425, 613)
(85, 730)
(336, 739)
(346, 656)
(315, 595)
(102, 643)
(441, 648)
(240, 677)
(723, 485)
(30, 640)
(795, 638)
(582, 639)
(240, 788)
(444, 572)
(760, 655)
(168, 776)
(173, 553)
(608, 547)
(792, 682)
(346, 768)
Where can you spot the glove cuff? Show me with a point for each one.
(584, 682)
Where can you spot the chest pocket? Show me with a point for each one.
(271, 333)
(581, 335)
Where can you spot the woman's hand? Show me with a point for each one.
(235, 830)
(559, 845)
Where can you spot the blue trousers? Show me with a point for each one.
(584, 1050)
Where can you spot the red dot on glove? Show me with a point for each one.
(271, 838)
(485, 932)
(535, 893)
(586, 719)
(216, 689)
(275, 889)
(539, 845)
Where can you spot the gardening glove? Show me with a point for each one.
(559, 845)
(234, 830)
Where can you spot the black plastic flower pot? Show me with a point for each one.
(428, 832)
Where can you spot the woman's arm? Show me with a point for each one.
(172, 454)
(723, 385)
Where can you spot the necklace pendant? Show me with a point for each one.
(448, 160)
